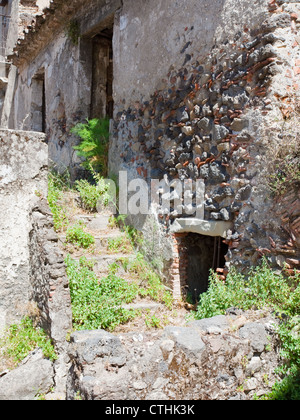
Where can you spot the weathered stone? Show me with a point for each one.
(225, 215)
(216, 175)
(175, 362)
(220, 133)
(198, 149)
(235, 97)
(219, 322)
(238, 124)
(206, 111)
(254, 366)
(34, 376)
(250, 385)
(244, 193)
(205, 125)
(256, 334)
(90, 345)
(23, 164)
(182, 115)
(188, 130)
(186, 340)
(223, 147)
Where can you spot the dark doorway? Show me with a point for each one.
(38, 102)
(204, 253)
(102, 75)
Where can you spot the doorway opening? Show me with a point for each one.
(203, 253)
(38, 102)
(102, 104)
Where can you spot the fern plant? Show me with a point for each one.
(94, 145)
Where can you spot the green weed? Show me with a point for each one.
(153, 322)
(94, 144)
(98, 304)
(92, 194)
(120, 244)
(77, 236)
(56, 187)
(21, 339)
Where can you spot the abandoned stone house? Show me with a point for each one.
(195, 89)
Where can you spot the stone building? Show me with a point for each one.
(194, 90)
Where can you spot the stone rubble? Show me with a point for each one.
(229, 357)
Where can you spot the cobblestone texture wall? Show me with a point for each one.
(219, 113)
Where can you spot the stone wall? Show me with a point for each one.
(223, 358)
(48, 278)
(32, 270)
(202, 89)
(210, 99)
(23, 173)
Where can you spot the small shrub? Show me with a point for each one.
(77, 236)
(262, 289)
(21, 339)
(120, 244)
(94, 144)
(91, 195)
(153, 322)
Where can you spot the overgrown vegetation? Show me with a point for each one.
(150, 282)
(21, 339)
(263, 289)
(57, 184)
(93, 195)
(77, 236)
(120, 244)
(93, 148)
(98, 304)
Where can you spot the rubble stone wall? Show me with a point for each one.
(223, 358)
(211, 100)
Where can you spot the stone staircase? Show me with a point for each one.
(102, 257)
(98, 226)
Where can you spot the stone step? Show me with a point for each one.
(143, 306)
(96, 222)
(102, 262)
(101, 241)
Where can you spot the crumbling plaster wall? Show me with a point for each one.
(23, 164)
(32, 269)
(66, 98)
(67, 67)
(201, 91)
